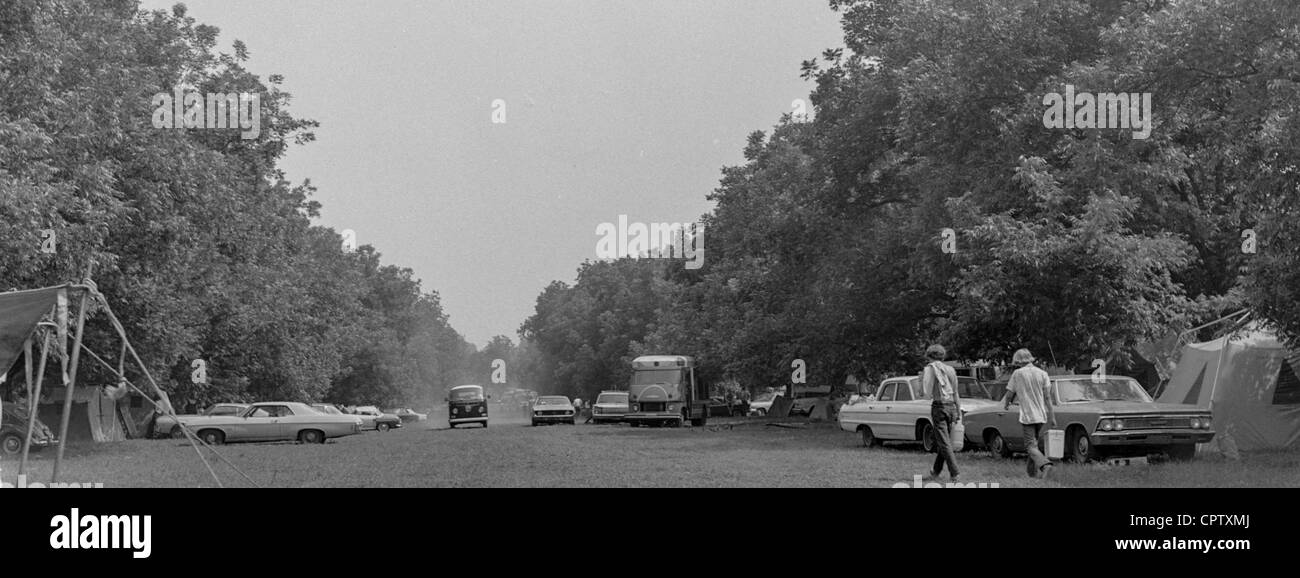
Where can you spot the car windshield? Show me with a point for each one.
(969, 388)
(653, 376)
(612, 398)
(1111, 389)
(553, 401)
(467, 394)
(225, 410)
(765, 397)
(327, 409)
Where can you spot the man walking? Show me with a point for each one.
(1030, 385)
(939, 381)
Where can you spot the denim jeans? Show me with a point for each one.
(942, 415)
(1034, 435)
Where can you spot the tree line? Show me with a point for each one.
(203, 247)
(931, 198)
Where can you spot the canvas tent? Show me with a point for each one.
(1249, 380)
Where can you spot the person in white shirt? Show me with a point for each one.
(1031, 386)
(939, 381)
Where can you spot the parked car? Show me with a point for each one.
(901, 411)
(273, 421)
(165, 425)
(610, 407)
(467, 404)
(13, 429)
(762, 404)
(721, 407)
(1101, 417)
(373, 419)
(408, 415)
(553, 409)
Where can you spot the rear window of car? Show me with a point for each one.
(612, 398)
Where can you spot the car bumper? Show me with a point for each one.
(1150, 437)
(473, 419)
(554, 418)
(608, 416)
(652, 417)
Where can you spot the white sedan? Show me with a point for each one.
(900, 411)
(273, 421)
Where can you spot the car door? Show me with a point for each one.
(911, 405)
(263, 423)
(881, 418)
(1007, 422)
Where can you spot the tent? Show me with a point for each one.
(1249, 380)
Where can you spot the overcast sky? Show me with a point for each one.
(613, 107)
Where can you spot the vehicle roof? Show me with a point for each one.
(613, 391)
(291, 404)
(467, 387)
(653, 361)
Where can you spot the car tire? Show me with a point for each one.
(11, 444)
(1080, 449)
(177, 433)
(534, 423)
(998, 445)
(383, 427)
(869, 439)
(927, 437)
(1181, 452)
(311, 436)
(212, 437)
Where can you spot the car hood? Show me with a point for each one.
(1131, 408)
(622, 406)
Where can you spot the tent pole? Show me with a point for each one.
(72, 382)
(34, 402)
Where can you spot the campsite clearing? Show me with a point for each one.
(737, 453)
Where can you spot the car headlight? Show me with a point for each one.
(1119, 425)
(1196, 423)
(1107, 425)
(636, 407)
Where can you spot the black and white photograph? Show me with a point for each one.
(1045, 247)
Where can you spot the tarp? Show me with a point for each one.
(20, 311)
(1249, 381)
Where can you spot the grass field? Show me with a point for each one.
(738, 453)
